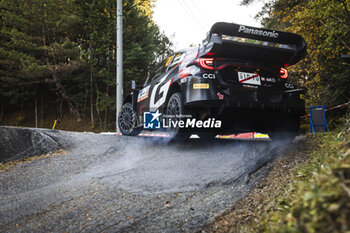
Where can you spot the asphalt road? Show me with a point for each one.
(108, 183)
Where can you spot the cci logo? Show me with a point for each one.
(151, 120)
(289, 85)
(209, 76)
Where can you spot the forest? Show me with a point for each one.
(57, 58)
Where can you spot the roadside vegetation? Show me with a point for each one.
(307, 190)
(317, 199)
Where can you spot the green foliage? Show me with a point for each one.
(318, 199)
(66, 49)
(33, 41)
(325, 25)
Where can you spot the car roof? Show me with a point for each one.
(186, 50)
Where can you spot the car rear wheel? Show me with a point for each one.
(174, 110)
(127, 121)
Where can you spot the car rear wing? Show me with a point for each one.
(254, 44)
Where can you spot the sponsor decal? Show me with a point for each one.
(273, 80)
(152, 120)
(258, 32)
(201, 86)
(250, 86)
(260, 135)
(220, 96)
(168, 61)
(302, 96)
(143, 94)
(289, 85)
(209, 76)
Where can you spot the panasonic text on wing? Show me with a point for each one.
(258, 32)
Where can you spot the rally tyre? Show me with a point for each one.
(175, 108)
(127, 121)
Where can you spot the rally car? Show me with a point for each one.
(237, 81)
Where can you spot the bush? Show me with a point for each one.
(319, 198)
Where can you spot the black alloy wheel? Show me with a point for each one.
(127, 121)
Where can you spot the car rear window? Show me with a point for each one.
(177, 59)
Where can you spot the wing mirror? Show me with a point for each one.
(133, 85)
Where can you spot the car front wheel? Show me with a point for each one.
(127, 121)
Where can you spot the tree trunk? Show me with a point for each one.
(42, 108)
(2, 110)
(91, 100)
(106, 111)
(97, 101)
(86, 98)
(36, 111)
(63, 96)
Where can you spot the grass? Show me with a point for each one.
(317, 199)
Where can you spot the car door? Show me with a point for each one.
(160, 86)
(152, 93)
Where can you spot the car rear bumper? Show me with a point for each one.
(211, 95)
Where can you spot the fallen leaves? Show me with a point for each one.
(8, 165)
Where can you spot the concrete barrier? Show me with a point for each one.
(20, 143)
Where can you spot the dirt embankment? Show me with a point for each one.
(21, 143)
